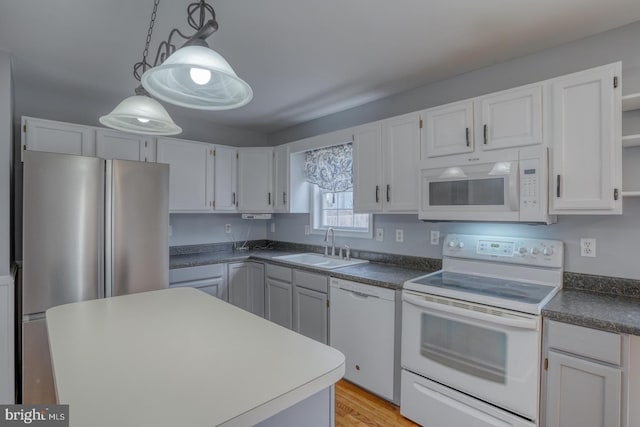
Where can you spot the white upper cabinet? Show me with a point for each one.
(281, 194)
(401, 163)
(586, 155)
(225, 182)
(112, 144)
(386, 157)
(511, 118)
(506, 119)
(448, 129)
(367, 168)
(255, 180)
(190, 174)
(57, 137)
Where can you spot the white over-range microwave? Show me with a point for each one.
(508, 185)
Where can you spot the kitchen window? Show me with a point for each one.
(330, 171)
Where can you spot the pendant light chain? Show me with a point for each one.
(144, 64)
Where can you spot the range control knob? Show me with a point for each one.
(548, 251)
(522, 250)
(534, 251)
(460, 245)
(452, 243)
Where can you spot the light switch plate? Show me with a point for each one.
(379, 234)
(273, 227)
(399, 235)
(307, 229)
(227, 228)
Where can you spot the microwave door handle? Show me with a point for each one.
(514, 202)
(523, 323)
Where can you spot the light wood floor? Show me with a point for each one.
(356, 407)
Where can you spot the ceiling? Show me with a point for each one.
(303, 58)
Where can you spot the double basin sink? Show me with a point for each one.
(319, 261)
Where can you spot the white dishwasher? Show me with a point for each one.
(362, 325)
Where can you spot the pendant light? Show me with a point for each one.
(196, 76)
(141, 113)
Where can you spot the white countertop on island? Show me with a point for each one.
(179, 357)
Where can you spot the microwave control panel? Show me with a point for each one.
(532, 182)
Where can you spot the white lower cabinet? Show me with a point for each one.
(279, 295)
(584, 378)
(246, 286)
(362, 326)
(211, 279)
(310, 305)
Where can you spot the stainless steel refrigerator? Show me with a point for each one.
(92, 228)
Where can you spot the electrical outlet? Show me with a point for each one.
(273, 227)
(435, 237)
(307, 229)
(227, 228)
(588, 247)
(170, 230)
(399, 235)
(379, 234)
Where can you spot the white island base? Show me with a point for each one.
(179, 357)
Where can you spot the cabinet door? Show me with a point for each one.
(57, 137)
(400, 163)
(111, 144)
(310, 313)
(586, 143)
(246, 286)
(367, 167)
(225, 179)
(190, 174)
(511, 118)
(216, 287)
(281, 179)
(279, 302)
(448, 129)
(581, 393)
(255, 180)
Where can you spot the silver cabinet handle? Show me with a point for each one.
(467, 136)
(234, 199)
(558, 186)
(284, 198)
(388, 193)
(485, 132)
(269, 198)
(377, 194)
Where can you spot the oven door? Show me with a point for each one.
(478, 192)
(486, 352)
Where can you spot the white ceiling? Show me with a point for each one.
(303, 58)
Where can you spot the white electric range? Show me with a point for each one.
(471, 333)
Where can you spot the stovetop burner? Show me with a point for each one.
(528, 293)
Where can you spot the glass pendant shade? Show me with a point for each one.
(197, 77)
(141, 114)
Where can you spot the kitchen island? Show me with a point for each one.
(180, 357)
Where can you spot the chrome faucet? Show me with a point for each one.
(333, 241)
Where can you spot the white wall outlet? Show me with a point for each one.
(170, 230)
(307, 229)
(435, 237)
(227, 228)
(588, 247)
(379, 234)
(273, 227)
(399, 235)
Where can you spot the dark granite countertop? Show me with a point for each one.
(608, 303)
(374, 273)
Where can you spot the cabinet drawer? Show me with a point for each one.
(186, 274)
(316, 282)
(279, 273)
(592, 343)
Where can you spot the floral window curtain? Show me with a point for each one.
(331, 168)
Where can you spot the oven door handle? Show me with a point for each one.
(507, 320)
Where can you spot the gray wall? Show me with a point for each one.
(617, 236)
(194, 229)
(6, 151)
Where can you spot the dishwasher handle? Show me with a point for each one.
(500, 317)
(358, 294)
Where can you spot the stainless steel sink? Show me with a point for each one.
(319, 261)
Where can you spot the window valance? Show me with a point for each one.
(330, 168)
